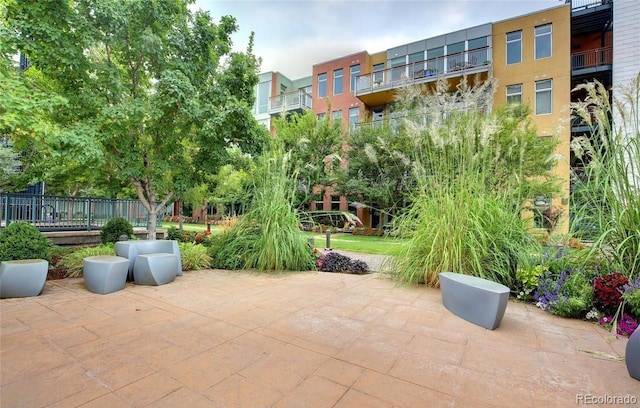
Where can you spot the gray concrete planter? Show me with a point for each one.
(474, 299)
(632, 354)
(105, 274)
(23, 278)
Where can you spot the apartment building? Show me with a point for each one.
(537, 58)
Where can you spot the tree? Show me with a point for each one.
(315, 146)
(154, 84)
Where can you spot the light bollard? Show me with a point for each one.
(328, 246)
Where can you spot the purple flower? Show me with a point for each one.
(626, 325)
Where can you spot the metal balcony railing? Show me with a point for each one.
(289, 101)
(585, 4)
(592, 58)
(60, 213)
(423, 71)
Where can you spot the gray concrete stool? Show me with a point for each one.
(105, 273)
(23, 278)
(476, 300)
(155, 269)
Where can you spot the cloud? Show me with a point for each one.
(291, 36)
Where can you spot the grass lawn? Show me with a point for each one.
(188, 227)
(357, 243)
(347, 242)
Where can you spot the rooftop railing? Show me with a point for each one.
(288, 101)
(424, 71)
(592, 58)
(60, 213)
(585, 4)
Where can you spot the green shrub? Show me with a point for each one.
(20, 240)
(194, 257)
(114, 228)
(175, 234)
(72, 263)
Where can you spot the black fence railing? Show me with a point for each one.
(61, 213)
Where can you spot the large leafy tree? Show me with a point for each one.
(154, 84)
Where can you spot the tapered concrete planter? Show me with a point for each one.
(155, 269)
(476, 300)
(105, 274)
(131, 250)
(23, 278)
(632, 354)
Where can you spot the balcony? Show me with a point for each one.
(581, 5)
(290, 102)
(590, 16)
(379, 87)
(592, 61)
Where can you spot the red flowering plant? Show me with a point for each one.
(607, 294)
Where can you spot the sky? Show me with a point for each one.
(293, 35)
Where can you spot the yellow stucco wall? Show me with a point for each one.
(529, 70)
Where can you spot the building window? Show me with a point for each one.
(435, 60)
(416, 64)
(455, 56)
(263, 96)
(283, 88)
(322, 85)
(321, 116)
(543, 41)
(354, 71)
(377, 113)
(337, 115)
(514, 47)
(337, 81)
(378, 74)
(514, 93)
(354, 116)
(543, 97)
(478, 53)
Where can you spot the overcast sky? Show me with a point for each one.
(293, 35)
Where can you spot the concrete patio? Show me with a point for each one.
(235, 339)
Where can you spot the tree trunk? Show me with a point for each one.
(146, 195)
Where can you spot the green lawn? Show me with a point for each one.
(357, 243)
(347, 242)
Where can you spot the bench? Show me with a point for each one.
(23, 278)
(476, 300)
(105, 273)
(131, 250)
(155, 269)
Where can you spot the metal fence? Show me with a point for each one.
(61, 213)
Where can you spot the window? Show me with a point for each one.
(543, 97)
(378, 74)
(399, 68)
(478, 52)
(263, 96)
(354, 71)
(283, 88)
(514, 47)
(377, 113)
(322, 85)
(337, 115)
(306, 96)
(354, 117)
(455, 57)
(321, 116)
(416, 64)
(435, 61)
(543, 41)
(514, 93)
(337, 81)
